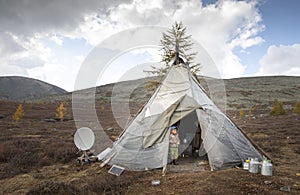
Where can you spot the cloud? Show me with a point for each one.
(8, 44)
(24, 53)
(28, 26)
(57, 40)
(222, 27)
(219, 28)
(29, 17)
(281, 60)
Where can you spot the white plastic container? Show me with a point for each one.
(155, 182)
(246, 165)
(266, 168)
(254, 165)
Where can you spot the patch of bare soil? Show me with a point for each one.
(37, 156)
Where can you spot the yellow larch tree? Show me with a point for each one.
(18, 114)
(61, 111)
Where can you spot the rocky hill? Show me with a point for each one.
(21, 88)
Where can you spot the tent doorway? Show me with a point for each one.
(192, 156)
(189, 131)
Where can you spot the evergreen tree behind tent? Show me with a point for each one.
(174, 41)
(144, 144)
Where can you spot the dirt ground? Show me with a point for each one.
(37, 156)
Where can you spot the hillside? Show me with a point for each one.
(240, 92)
(261, 91)
(21, 88)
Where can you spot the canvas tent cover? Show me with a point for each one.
(144, 144)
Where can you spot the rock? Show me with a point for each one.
(50, 120)
(285, 189)
(268, 182)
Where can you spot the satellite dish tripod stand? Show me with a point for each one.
(86, 157)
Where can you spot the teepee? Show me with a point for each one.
(144, 144)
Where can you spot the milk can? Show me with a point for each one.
(253, 165)
(266, 168)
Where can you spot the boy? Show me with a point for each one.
(174, 143)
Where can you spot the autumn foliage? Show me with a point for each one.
(297, 108)
(18, 114)
(242, 113)
(61, 111)
(277, 108)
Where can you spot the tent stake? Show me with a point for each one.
(164, 170)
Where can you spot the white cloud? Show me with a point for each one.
(28, 17)
(30, 53)
(219, 28)
(57, 40)
(231, 66)
(222, 27)
(281, 60)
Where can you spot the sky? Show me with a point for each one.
(56, 41)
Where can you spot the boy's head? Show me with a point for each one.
(174, 130)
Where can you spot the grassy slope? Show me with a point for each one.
(240, 92)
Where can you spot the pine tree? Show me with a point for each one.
(174, 41)
(18, 114)
(61, 111)
(297, 108)
(277, 108)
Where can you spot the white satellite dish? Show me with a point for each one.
(84, 138)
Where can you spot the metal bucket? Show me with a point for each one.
(254, 166)
(266, 169)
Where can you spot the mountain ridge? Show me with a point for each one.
(18, 88)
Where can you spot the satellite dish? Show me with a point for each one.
(84, 138)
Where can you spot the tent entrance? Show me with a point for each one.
(189, 132)
(192, 156)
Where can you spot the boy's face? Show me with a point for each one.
(174, 131)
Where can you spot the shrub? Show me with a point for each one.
(251, 110)
(277, 108)
(8, 150)
(19, 156)
(242, 114)
(53, 187)
(61, 111)
(60, 151)
(297, 108)
(107, 184)
(25, 160)
(18, 114)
